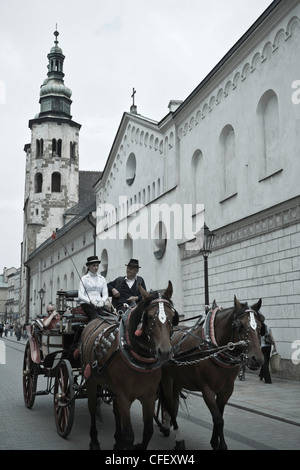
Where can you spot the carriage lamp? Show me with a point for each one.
(61, 302)
(41, 293)
(205, 239)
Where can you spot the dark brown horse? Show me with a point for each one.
(126, 357)
(213, 376)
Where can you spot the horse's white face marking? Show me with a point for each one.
(161, 312)
(253, 323)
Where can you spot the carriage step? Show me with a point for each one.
(42, 392)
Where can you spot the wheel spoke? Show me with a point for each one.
(64, 399)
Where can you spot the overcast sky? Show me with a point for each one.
(162, 48)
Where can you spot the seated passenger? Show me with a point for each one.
(52, 318)
(92, 292)
(125, 289)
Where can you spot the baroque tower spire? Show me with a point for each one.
(52, 158)
(55, 97)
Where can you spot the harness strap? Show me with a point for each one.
(133, 359)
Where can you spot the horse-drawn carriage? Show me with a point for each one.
(142, 347)
(53, 353)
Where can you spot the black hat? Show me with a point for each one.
(92, 260)
(133, 263)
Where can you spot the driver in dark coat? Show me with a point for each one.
(124, 290)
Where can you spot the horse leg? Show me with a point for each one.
(123, 405)
(91, 388)
(118, 432)
(221, 401)
(217, 439)
(148, 412)
(179, 441)
(170, 401)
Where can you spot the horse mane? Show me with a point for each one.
(238, 311)
(136, 313)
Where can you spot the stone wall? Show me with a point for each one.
(255, 258)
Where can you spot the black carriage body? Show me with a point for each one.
(54, 353)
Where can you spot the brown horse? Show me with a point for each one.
(213, 376)
(126, 357)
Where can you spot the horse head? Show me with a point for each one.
(157, 319)
(247, 324)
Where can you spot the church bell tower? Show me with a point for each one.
(52, 158)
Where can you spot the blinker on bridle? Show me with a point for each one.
(160, 314)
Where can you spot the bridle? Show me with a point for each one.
(135, 352)
(237, 326)
(160, 314)
(228, 357)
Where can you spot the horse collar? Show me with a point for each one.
(224, 359)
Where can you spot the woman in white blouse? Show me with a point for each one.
(92, 291)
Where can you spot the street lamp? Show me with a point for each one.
(41, 294)
(205, 239)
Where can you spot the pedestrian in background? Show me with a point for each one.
(266, 342)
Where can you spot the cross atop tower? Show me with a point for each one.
(133, 108)
(132, 96)
(56, 33)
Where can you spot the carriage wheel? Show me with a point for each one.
(29, 378)
(64, 401)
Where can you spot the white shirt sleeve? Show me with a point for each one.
(82, 292)
(92, 289)
(104, 293)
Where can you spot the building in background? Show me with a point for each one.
(227, 154)
(231, 145)
(56, 191)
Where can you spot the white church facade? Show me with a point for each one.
(232, 146)
(228, 155)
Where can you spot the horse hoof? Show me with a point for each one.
(119, 447)
(179, 445)
(165, 431)
(95, 446)
(139, 447)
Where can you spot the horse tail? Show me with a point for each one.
(166, 402)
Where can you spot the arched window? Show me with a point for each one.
(269, 134)
(130, 169)
(160, 240)
(127, 248)
(38, 183)
(39, 148)
(198, 180)
(59, 147)
(56, 182)
(104, 262)
(228, 162)
(56, 147)
(73, 150)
